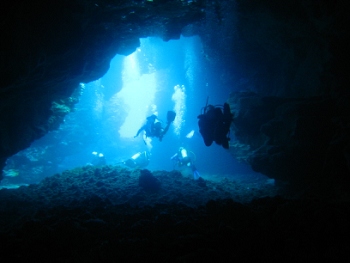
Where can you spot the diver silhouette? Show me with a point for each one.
(153, 127)
(182, 158)
(214, 124)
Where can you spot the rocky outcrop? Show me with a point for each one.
(301, 141)
(292, 114)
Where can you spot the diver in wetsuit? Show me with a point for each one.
(153, 127)
(98, 159)
(181, 158)
(214, 124)
(138, 160)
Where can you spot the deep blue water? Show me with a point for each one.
(93, 126)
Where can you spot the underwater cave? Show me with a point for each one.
(79, 80)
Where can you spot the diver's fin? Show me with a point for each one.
(171, 116)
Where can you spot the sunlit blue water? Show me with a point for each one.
(158, 77)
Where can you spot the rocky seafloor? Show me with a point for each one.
(113, 214)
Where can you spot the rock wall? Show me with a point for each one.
(292, 103)
(301, 141)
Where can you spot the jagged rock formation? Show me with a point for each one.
(298, 140)
(288, 57)
(292, 118)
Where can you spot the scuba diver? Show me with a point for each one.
(98, 159)
(214, 124)
(153, 127)
(138, 160)
(181, 158)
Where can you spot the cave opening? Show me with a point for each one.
(282, 67)
(157, 77)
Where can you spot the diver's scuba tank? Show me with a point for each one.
(140, 159)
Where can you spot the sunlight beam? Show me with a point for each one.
(138, 93)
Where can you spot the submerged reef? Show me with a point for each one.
(103, 214)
